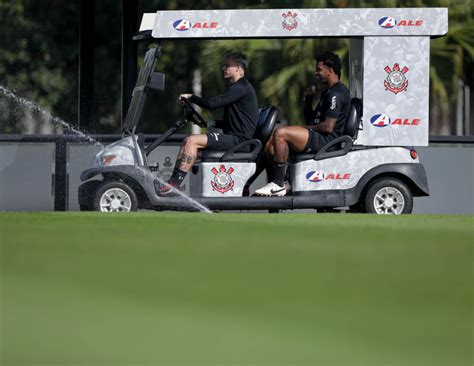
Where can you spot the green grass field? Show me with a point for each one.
(235, 289)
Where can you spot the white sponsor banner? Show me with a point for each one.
(253, 23)
(396, 91)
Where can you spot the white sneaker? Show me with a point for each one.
(271, 189)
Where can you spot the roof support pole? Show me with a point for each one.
(86, 63)
(129, 53)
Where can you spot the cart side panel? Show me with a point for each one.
(225, 179)
(344, 172)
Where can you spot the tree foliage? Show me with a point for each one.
(38, 60)
(39, 49)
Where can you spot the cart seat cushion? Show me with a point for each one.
(301, 157)
(213, 155)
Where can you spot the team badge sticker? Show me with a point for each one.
(167, 171)
(289, 20)
(396, 80)
(222, 181)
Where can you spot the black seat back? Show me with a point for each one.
(266, 123)
(353, 119)
(248, 150)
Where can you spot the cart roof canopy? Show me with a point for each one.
(389, 55)
(295, 23)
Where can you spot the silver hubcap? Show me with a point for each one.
(115, 200)
(389, 201)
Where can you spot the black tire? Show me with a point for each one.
(387, 188)
(122, 195)
(357, 207)
(86, 193)
(85, 208)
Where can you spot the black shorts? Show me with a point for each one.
(221, 142)
(315, 142)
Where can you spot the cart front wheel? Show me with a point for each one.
(115, 197)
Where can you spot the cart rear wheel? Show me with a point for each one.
(115, 197)
(389, 196)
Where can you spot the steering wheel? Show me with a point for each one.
(190, 113)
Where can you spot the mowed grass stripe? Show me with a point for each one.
(171, 288)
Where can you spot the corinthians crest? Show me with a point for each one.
(167, 171)
(289, 20)
(223, 181)
(396, 80)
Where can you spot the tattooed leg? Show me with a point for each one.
(188, 151)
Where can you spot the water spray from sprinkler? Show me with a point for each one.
(33, 107)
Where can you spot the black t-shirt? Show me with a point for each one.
(240, 108)
(335, 102)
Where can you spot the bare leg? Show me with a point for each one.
(286, 138)
(188, 152)
(186, 158)
(269, 149)
(270, 161)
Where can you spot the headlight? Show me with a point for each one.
(108, 159)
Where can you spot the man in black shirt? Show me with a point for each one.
(322, 125)
(240, 119)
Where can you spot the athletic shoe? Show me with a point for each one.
(169, 190)
(271, 189)
(288, 187)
